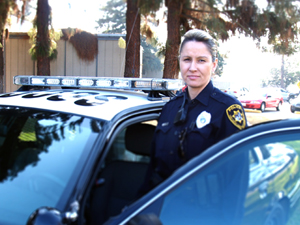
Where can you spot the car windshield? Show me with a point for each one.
(39, 153)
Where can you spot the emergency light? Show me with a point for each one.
(151, 84)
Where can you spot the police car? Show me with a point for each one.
(77, 153)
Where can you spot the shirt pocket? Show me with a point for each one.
(205, 132)
(166, 149)
(198, 140)
(162, 138)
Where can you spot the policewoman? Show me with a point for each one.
(197, 118)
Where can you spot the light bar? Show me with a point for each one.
(100, 82)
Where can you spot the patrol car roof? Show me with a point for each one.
(102, 104)
(98, 103)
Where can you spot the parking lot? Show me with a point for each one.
(256, 116)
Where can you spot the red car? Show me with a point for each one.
(262, 99)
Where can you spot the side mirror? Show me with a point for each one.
(45, 216)
(51, 216)
(145, 219)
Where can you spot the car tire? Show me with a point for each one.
(277, 216)
(292, 110)
(262, 107)
(279, 106)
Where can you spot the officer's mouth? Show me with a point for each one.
(193, 77)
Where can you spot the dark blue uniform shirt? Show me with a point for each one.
(205, 120)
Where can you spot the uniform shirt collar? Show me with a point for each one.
(203, 96)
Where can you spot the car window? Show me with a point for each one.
(119, 152)
(241, 187)
(123, 172)
(209, 196)
(31, 142)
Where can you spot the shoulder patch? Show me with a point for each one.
(236, 115)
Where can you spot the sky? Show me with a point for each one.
(245, 63)
(72, 13)
(68, 13)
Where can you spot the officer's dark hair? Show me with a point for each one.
(200, 36)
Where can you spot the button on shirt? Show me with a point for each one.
(210, 117)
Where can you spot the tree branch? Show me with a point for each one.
(191, 17)
(215, 10)
(207, 11)
(197, 10)
(204, 2)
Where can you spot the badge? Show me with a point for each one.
(203, 119)
(236, 115)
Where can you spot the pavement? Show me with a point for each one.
(256, 116)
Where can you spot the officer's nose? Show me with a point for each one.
(193, 66)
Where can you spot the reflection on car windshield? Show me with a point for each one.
(39, 152)
(238, 187)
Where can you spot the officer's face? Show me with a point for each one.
(196, 65)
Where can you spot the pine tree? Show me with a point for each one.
(114, 21)
(278, 21)
(43, 21)
(133, 41)
(114, 17)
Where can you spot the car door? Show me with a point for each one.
(121, 170)
(217, 187)
(269, 100)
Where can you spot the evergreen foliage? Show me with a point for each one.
(114, 17)
(221, 64)
(47, 48)
(50, 50)
(114, 21)
(151, 61)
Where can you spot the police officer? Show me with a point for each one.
(197, 118)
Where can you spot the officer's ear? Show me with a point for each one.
(215, 65)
